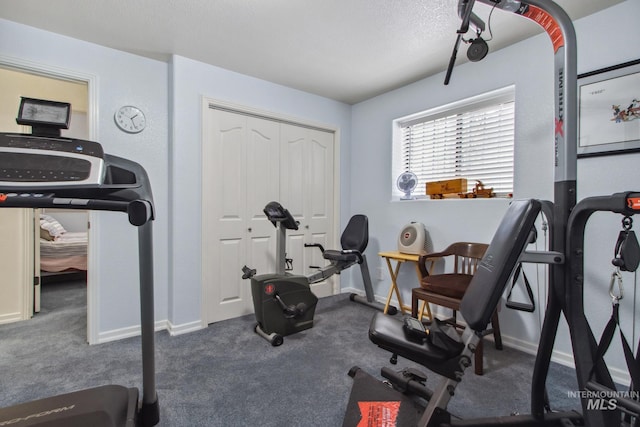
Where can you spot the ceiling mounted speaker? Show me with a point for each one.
(477, 50)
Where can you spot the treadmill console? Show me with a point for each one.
(27, 161)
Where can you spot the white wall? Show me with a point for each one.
(529, 66)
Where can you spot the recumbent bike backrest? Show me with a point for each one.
(356, 234)
(491, 278)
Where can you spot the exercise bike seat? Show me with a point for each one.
(342, 256)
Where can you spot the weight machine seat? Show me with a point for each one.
(388, 333)
(354, 241)
(481, 298)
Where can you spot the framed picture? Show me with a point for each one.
(609, 110)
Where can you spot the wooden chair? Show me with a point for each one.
(448, 289)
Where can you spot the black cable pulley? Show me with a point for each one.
(627, 251)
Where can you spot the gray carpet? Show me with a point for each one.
(226, 375)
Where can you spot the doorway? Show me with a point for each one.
(18, 80)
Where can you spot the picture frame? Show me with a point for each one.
(609, 110)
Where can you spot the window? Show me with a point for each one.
(470, 139)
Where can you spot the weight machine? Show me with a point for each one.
(568, 220)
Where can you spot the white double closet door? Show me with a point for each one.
(249, 161)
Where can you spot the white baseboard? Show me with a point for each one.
(132, 331)
(184, 328)
(11, 317)
(118, 334)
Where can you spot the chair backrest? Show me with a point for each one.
(356, 233)
(488, 284)
(467, 256)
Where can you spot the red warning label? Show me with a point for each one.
(378, 414)
(549, 24)
(633, 203)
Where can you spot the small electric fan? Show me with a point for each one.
(407, 182)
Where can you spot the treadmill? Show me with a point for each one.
(45, 170)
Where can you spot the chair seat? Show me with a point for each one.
(451, 285)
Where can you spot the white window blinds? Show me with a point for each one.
(471, 141)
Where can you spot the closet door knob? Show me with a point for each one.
(249, 229)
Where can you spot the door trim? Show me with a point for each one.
(212, 103)
(48, 70)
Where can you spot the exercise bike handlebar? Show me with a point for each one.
(279, 215)
(314, 245)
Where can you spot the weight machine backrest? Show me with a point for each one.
(489, 282)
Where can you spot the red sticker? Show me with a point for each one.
(378, 414)
(269, 288)
(633, 203)
(549, 24)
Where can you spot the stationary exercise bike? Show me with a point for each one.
(283, 302)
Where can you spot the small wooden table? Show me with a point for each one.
(400, 258)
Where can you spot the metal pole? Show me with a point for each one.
(149, 413)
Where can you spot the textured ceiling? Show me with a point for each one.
(347, 50)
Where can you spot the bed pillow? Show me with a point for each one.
(51, 226)
(44, 234)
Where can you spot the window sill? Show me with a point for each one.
(421, 198)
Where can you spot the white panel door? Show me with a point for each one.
(238, 157)
(306, 189)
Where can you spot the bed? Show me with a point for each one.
(61, 250)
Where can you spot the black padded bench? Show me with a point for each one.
(477, 306)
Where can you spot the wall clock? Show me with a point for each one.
(130, 119)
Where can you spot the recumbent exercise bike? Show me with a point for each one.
(284, 303)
